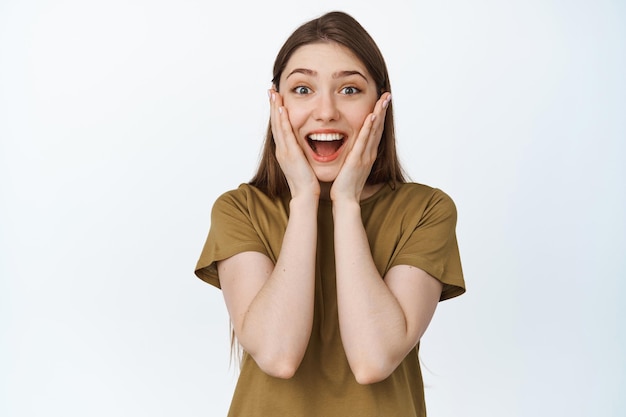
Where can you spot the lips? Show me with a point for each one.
(325, 146)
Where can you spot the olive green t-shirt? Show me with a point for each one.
(406, 224)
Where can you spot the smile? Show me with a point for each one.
(325, 146)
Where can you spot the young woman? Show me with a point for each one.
(330, 263)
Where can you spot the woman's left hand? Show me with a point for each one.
(356, 168)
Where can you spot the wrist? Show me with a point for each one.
(304, 202)
(347, 206)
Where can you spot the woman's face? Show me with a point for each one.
(328, 93)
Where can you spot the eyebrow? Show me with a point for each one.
(335, 75)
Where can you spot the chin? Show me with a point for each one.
(327, 177)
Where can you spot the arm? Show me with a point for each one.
(380, 320)
(271, 307)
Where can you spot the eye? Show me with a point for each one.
(302, 90)
(350, 91)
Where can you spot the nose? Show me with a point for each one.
(326, 107)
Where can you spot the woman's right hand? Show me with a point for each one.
(298, 172)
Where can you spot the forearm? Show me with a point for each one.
(373, 325)
(277, 325)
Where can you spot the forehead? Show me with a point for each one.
(325, 57)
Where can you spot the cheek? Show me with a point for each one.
(297, 115)
(357, 115)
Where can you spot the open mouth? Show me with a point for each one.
(325, 144)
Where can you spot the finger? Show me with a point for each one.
(281, 127)
(378, 122)
(373, 125)
(380, 110)
(284, 137)
(283, 124)
(274, 115)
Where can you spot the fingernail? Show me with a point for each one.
(280, 110)
(273, 97)
(374, 116)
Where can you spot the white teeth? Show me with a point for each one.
(326, 137)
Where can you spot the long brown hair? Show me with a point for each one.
(343, 29)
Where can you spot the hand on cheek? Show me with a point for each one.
(298, 172)
(362, 155)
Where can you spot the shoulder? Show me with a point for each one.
(245, 192)
(421, 198)
(417, 190)
(246, 195)
(250, 204)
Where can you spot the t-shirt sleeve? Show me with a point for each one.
(432, 245)
(232, 231)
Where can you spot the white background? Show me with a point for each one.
(121, 121)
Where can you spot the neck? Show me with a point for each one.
(325, 190)
(368, 191)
